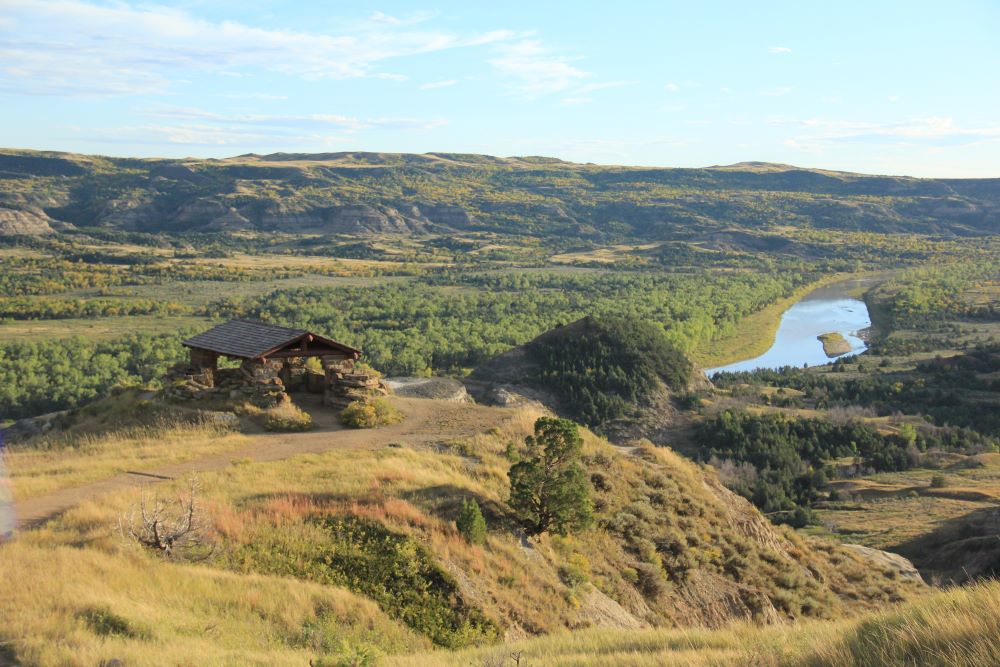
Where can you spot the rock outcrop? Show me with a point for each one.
(442, 389)
(24, 221)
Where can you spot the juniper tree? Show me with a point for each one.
(548, 488)
(470, 522)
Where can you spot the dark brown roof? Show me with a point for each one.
(251, 340)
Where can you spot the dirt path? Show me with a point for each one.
(426, 421)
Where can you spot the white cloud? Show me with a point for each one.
(591, 87)
(673, 87)
(386, 19)
(381, 17)
(254, 96)
(780, 49)
(72, 47)
(438, 84)
(179, 126)
(893, 98)
(288, 123)
(818, 133)
(536, 70)
(778, 91)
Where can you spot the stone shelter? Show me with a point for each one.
(272, 363)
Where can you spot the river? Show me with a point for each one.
(825, 310)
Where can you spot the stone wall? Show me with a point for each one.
(266, 384)
(254, 382)
(346, 384)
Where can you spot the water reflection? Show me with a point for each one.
(826, 310)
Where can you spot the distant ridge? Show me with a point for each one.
(358, 193)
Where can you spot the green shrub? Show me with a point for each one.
(939, 482)
(575, 571)
(471, 523)
(349, 656)
(370, 414)
(104, 622)
(398, 573)
(286, 418)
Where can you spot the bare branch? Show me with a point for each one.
(173, 534)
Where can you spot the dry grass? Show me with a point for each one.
(172, 614)
(889, 509)
(956, 628)
(78, 460)
(604, 255)
(100, 329)
(343, 266)
(177, 610)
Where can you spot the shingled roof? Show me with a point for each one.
(244, 339)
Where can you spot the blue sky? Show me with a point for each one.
(877, 86)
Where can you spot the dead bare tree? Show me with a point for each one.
(173, 532)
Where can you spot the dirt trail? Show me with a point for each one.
(426, 421)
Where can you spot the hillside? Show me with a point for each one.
(617, 375)
(371, 193)
(302, 524)
(950, 628)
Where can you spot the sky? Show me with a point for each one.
(878, 86)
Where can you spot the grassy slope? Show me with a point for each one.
(233, 605)
(112, 436)
(956, 627)
(945, 531)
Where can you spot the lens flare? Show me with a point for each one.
(6, 499)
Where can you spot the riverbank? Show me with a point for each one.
(756, 333)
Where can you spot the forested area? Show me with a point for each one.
(445, 325)
(941, 390)
(781, 463)
(926, 296)
(601, 368)
(39, 377)
(57, 309)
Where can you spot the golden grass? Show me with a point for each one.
(303, 262)
(192, 614)
(889, 509)
(604, 255)
(173, 614)
(98, 329)
(959, 627)
(87, 458)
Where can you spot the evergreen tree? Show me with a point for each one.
(470, 522)
(548, 488)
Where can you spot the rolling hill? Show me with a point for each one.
(371, 193)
